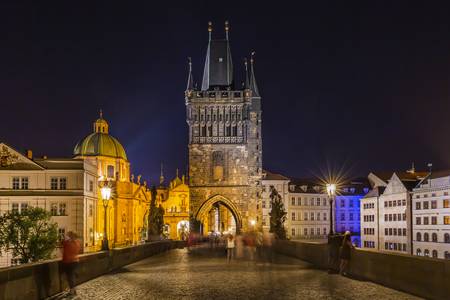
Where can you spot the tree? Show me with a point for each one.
(30, 235)
(155, 218)
(277, 215)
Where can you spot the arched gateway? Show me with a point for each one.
(225, 146)
(213, 205)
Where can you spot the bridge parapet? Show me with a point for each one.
(422, 276)
(44, 279)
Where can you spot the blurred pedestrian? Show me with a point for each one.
(268, 238)
(345, 253)
(230, 247)
(71, 248)
(239, 243)
(259, 245)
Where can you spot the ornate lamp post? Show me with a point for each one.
(106, 196)
(331, 191)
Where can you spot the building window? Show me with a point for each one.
(15, 207)
(54, 183)
(418, 237)
(434, 237)
(110, 171)
(426, 237)
(293, 216)
(350, 203)
(342, 216)
(418, 221)
(318, 216)
(418, 252)
(447, 238)
(312, 216)
(324, 216)
(425, 220)
(62, 209)
(54, 209)
(218, 165)
(446, 203)
(324, 231)
(16, 183)
(417, 205)
(311, 231)
(318, 202)
(24, 183)
(293, 231)
(305, 216)
(61, 233)
(404, 231)
(91, 186)
(434, 254)
(434, 220)
(426, 253)
(342, 203)
(425, 205)
(293, 201)
(62, 183)
(446, 220)
(350, 216)
(299, 201)
(434, 204)
(305, 231)
(91, 210)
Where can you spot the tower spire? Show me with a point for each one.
(161, 176)
(101, 113)
(190, 83)
(253, 85)
(247, 80)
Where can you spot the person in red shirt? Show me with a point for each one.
(71, 248)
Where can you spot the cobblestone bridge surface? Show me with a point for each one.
(180, 274)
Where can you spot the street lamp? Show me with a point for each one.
(331, 191)
(106, 196)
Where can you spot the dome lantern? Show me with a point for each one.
(100, 125)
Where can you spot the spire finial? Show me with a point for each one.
(209, 29)
(161, 177)
(227, 28)
(247, 80)
(177, 173)
(101, 113)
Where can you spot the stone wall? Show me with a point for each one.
(421, 276)
(44, 279)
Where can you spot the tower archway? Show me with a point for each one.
(214, 215)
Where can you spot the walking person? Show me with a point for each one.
(71, 249)
(230, 247)
(345, 253)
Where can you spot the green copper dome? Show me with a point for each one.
(100, 143)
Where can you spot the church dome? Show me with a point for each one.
(100, 143)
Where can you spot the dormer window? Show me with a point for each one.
(291, 187)
(304, 188)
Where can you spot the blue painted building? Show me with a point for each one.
(347, 204)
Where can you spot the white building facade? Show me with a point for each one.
(431, 216)
(67, 188)
(308, 211)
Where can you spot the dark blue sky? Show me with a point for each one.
(365, 85)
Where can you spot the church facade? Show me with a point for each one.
(225, 143)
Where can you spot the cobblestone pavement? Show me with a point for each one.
(179, 274)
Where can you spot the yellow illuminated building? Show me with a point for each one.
(175, 202)
(127, 210)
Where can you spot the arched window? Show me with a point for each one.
(447, 255)
(419, 252)
(434, 254)
(434, 237)
(418, 236)
(426, 237)
(426, 253)
(218, 166)
(447, 238)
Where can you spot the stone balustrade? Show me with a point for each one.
(43, 279)
(422, 276)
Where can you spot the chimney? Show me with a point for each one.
(29, 154)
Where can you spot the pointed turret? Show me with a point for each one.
(218, 71)
(190, 82)
(161, 176)
(253, 85)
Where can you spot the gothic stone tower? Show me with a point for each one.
(225, 154)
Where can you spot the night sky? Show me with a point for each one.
(363, 86)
